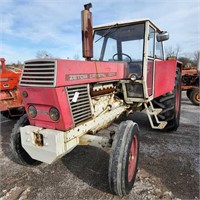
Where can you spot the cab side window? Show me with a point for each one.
(159, 51)
(151, 39)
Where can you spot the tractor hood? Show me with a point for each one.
(60, 72)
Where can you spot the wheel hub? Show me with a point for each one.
(198, 97)
(132, 159)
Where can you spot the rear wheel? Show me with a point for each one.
(195, 96)
(171, 105)
(124, 158)
(188, 92)
(19, 154)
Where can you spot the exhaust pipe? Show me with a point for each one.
(3, 66)
(87, 29)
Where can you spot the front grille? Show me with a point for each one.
(40, 73)
(79, 102)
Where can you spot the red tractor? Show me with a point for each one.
(190, 83)
(69, 101)
(10, 98)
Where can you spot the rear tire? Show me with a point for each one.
(171, 105)
(19, 154)
(124, 158)
(195, 96)
(188, 92)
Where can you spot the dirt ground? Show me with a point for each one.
(168, 166)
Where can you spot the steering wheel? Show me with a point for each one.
(130, 60)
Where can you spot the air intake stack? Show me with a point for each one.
(87, 45)
(3, 66)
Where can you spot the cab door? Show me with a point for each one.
(154, 54)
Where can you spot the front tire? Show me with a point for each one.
(19, 154)
(6, 114)
(124, 158)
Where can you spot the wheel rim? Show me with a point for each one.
(132, 159)
(197, 97)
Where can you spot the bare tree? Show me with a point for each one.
(186, 61)
(43, 54)
(195, 57)
(178, 50)
(76, 57)
(173, 51)
(169, 51)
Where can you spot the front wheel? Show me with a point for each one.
(124, 158)
(19, 154)
(6, 114)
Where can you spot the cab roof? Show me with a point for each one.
(124, 23)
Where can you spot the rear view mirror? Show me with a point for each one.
(162, 36)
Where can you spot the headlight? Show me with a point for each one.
(32, 111)
(54, 114)
(133, 77)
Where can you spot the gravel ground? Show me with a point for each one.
(168, 166)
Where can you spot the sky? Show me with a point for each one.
(54, 26)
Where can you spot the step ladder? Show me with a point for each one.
(152, 114)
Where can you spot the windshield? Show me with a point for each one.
(123, 43)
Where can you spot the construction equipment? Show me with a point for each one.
(10, 98)
(190, 82)
(69, 101)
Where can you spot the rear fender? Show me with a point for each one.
(165, 72)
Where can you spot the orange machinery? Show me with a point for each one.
(10, 99)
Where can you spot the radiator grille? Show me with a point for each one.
(80, 109)
(39, 73)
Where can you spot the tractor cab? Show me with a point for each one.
(138, 42)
